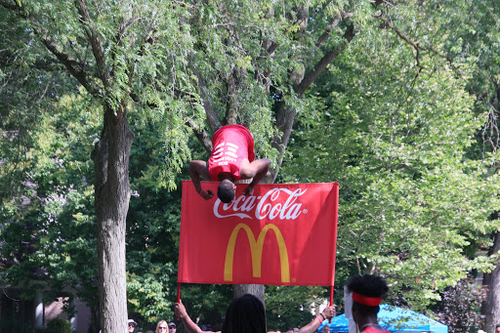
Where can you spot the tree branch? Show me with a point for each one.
(124, 26)
(272, 47)
(302, 13)
(48, 65)
(74, 67)
(414, 44)
(285, 114)
(9, 6)
(448, 59)
(213, 119)
(323, 63)
(201, 134)
(339, 16)
(94, 40)
(232, 96)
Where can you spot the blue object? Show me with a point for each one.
(393, 319)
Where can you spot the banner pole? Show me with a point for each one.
(331, 301)
(178, 292)
(334, 236)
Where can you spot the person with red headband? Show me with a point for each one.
(367, 292)
(232, 159)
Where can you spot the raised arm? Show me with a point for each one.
(256, 170)
(196, 169)
(327, 313)
(189, 324)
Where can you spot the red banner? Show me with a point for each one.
(284, 234)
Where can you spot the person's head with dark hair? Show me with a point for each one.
(245, 314)
(226, 190)
(367, 292)
(497, 328)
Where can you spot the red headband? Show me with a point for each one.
(369, 301)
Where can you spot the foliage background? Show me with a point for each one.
(404, 119)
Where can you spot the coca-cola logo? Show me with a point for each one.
(271, 205)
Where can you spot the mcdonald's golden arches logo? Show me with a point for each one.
(256, 249)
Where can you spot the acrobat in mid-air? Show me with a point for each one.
(232, 159)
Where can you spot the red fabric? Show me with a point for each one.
(231, 144)
(373, 330)
(365, 300)
(292, 229)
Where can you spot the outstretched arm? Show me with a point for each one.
(196, 169)
(256, 170)
(327, 313)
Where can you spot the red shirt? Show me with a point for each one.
(231, 144)
(373, 330)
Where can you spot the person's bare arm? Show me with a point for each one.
(256, 170)
(327, 313)
(189, 324)
(196, 169)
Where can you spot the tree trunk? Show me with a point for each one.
(112, 196)
(491, 307)
(284, 120)
(258, 290)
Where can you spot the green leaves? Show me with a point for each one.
(395, 136)
(148, 293)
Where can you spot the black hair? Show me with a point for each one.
(368, 286)
(245, 314)
(225, 192)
